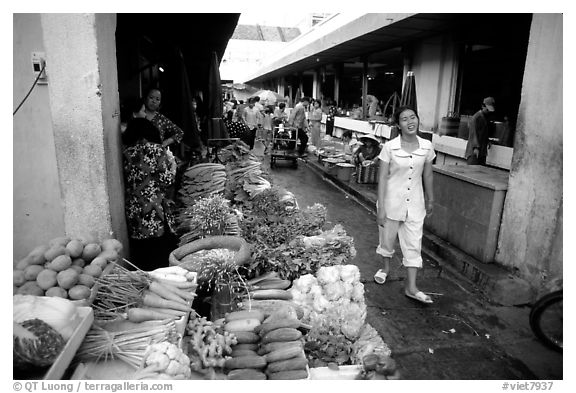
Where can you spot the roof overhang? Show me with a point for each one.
(346, 36)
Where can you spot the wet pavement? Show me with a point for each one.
(459, 337)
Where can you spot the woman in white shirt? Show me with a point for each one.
(405, 173)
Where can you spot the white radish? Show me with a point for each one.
(172, 270)
(168, 277)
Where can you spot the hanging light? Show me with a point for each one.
(161, 69)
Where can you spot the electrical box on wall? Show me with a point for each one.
(39, 67)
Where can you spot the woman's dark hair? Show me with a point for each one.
(347, 134)
(139, 129)
(229, 115)
(281, 105)
(402, 109)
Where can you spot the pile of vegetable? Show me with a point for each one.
(164, 361)
(208, 216)
(65, 267)
(125, 340)
(307, 254)
(201, 180)
(208, 344)
(333, 303)
(245, 179)
(138, 296)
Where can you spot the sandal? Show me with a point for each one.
(380, 277)
(419, 296)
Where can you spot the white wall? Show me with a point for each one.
(433, 63)
(38, 214)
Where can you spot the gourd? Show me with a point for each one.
(282, 334)
(245, 362)
(273, 346)
(238, 244)
(298, 363)
(243, 337)
(246, 374)
(242, 325)
(291, 374)
(277, 324)
(244, 314)
(283, 354)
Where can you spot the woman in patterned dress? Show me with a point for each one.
(149, 170)
(170, 133)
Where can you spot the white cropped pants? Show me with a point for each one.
(410, 238)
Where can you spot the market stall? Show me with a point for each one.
(259, 288)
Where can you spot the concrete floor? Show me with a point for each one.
(459, 337)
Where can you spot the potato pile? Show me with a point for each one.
(64, 267)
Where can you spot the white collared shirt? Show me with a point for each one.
(404, 198)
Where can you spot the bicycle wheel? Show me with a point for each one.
(546, 320)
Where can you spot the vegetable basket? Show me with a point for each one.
(181, 255)
(367, 174)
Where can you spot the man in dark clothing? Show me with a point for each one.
(479, 132)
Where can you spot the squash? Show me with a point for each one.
(291, 374)
(75, 248)
(256, 362)
(78, 262)
(55, 251)
(277, 324)
(282, 334)
(57, 292)
(79, 292)
(273, 346)
(59, 263)
(30, 288)
(59, 241)
(243, 337)
(18, 277)
(67, 278)
(91, 251)
(86, 280)
(32, 271)
(24, 263)
(268, 307)
(77, 269)
(283, 354)
(93, 270)
(37, 255)
(298, 363)
(109, 255)
(236, 353)
(271, 294)
(242, 325)
(46, 279)
(246, 374)
(242, 256)
(111, 244)
(244, 314)
(100, 262)
(251, 347)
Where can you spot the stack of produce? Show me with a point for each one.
(246, 179)
(269, 286)
(201, 180)
(41, 327)
(165, 293)
(164, 361)
(281, 346)
(208, 216)
(334, 306)
(125, 340)
(64, 267)
(208, 344)
(244, 362)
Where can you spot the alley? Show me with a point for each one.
(460, 336)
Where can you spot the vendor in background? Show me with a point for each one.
(356, 112)
(479, 132)
(330, 117)
(280, 116)
(253, 119)
(371, 106)
(298, 119)
(149, 171)
(314, 121)
(170, 133)
(368, 151)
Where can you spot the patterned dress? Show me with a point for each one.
(167, 128)
(149, 170)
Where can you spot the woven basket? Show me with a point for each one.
(367, 174)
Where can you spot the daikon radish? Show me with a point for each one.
(152, 300)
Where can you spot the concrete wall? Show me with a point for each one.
(38, 214)
(433, 63)
(84, 104)
(531, 231)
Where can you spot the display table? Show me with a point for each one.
(468, 203)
